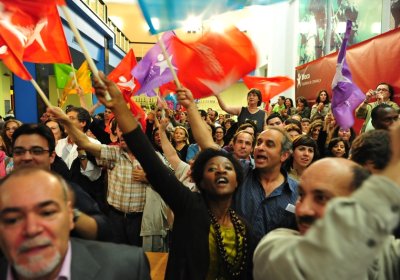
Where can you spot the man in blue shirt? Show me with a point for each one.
(267, 196)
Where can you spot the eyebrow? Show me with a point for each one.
(20, 209)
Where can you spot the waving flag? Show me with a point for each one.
(83, 76)
(346, 96)
(62, 73)
(31, 31)
(269, 87)
(121, 75)
(152, 71)
(172, 13)
(12, 57)
(214, 62)
(127, 84)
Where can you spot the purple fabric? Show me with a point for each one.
(346, 95)
(152, 71)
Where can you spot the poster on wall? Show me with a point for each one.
(323, 22)
(371, 62)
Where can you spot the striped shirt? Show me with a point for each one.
(123, 193)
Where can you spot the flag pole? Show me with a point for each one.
(85, 51)
(74, 72)
(41, 93)
(166, 55)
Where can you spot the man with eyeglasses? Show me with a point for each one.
(383, 94)
(33, 146)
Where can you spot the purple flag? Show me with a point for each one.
(346, 95)
(152, 71)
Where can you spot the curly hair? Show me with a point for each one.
(207, 154)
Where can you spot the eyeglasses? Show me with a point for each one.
(36, 151)
(382, 89)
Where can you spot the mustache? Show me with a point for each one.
(308, 220)
(32, 243)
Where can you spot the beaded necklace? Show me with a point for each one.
(235, 268)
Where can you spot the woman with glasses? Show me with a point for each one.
(383, 94)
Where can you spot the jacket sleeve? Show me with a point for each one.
(353, 232)
(362, 111)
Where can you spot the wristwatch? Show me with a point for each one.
(77, 213)
(82, 157)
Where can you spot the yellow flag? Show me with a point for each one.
(83, 76)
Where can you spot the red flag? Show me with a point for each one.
(214, 62)
(167, 88)
(12, 50)
(38, 26)
(121, 75)
(269, 87)
(13, 61)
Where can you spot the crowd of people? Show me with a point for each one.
(226, 197)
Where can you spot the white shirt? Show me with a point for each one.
(68, 152)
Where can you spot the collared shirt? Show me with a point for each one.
(124, 194)
(265, 213)
(65, 272)
(68, 152)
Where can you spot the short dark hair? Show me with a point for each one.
(258, 93)
(273, 116)
(375, 111)
(203, 114)
(207, 154)
(360, 174)
(39, 129)
(373, 145)
(82, 115)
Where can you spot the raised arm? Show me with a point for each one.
(200, 131)
(78, 136)
(173, 192)
(169, 151)
(234, 110)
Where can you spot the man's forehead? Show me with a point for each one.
(270, 134)
(30, 140)
(33, 188)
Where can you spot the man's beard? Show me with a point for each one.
(26, 271)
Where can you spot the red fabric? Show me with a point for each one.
(121, 75)
(32, 31)
(269, 87)
(167, 88)
(214, 62)
(12, 58)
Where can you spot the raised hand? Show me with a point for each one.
(185, 97)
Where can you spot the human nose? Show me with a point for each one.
(33, 226)
(304, 208)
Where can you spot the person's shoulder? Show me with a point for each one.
(108, 260)
(107, 252)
